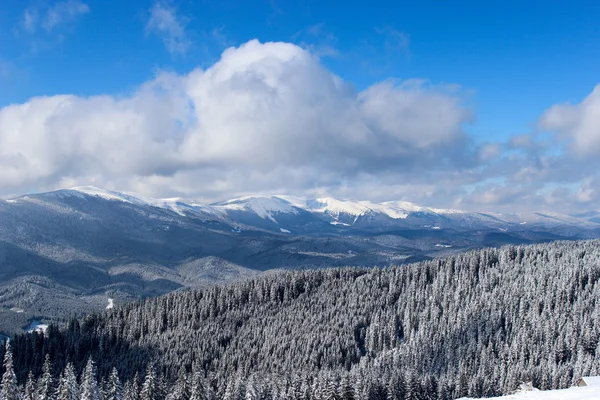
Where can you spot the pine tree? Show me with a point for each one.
(114, 388)
(45, 384)
(198, 390)
(29, 391)
(67, 386)
(251, 392)
(181, 390)
(131, 390)
(347, 389)
(89, 383)
(8, 388)
(150, 388)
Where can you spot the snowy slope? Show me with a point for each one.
(574, 393)
(263, 207)
(179, 205)
(104, 194)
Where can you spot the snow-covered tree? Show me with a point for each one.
(8, 387)
(114, 387)
(150, 387)
(67, 387)
(45, 383)
(89, 389)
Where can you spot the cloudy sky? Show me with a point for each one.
(473, 105)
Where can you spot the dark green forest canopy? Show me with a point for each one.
(476, 323)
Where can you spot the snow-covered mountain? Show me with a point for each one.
(73, 249)
(277, 213)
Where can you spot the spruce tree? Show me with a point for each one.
(150, 387)
(67, 386)
(8, 388)
(114, 388)
(89, 384)
(45, 384)
(29, 390)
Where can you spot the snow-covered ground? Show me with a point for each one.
(574, 393)
(111, 304)
(36, 326)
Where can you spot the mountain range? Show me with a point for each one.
(76, 250)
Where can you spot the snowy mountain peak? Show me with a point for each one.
(264, 207)
(331, 205)
(176, 204)
(105, 194)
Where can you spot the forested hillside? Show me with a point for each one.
(474, 324)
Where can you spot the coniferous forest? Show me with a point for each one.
(475, 324)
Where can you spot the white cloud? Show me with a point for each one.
(579, 124)
(30, 20)
(53, 17)
(64, 12)
(170, 26)
(266, 117)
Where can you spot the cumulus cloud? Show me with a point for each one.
(579, 124)
(166, 22)
(266, 117)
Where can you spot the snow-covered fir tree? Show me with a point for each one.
(45, 385)
(8, 386)
(68, 389)
(89, 388)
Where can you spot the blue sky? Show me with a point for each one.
(507, 62)
(517, 57)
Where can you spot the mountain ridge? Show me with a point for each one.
(266, 206)
(69, 250)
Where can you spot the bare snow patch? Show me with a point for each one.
(573, 393)
(36, 326)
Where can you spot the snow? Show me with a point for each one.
(591, 380)
(106, 194)
(573, 393)
(264, 207)
(339, 223)
(37, 327)
(176, 204)
(111, 303)
(183, 206)
(336, 207)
